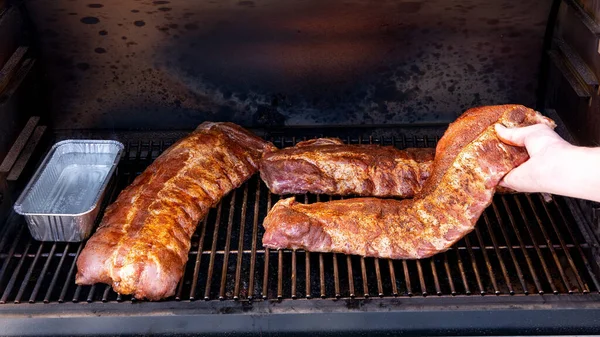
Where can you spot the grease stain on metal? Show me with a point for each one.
(90, 20)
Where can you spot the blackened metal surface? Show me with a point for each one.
(173, 64)
(10, 31)
(411, 316)
(574, 92)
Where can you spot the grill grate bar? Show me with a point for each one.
(38, 284)
(421, 278)
(5, 232)
(254, 239)
(501, 260)
(240, 257)
(322, 276)
(307, 274)
(69, 278)
(488, 264)
(449, 275)
(463, 276)
(537, 249)
(10, 253)
(475, 268)
(265, 290)
(13, 279)
(90, 296)
(363, 270)
(393, 278)
(179, 291)
(378, 275)
(105, 294)
(581, 252)
(436, 281)
(350, 277)
(55, 277)
(582, 285)
(211, 263)
(307, 264)
(293, 290)
(28, 274)
(321, 268)
(222, 287)
(198, 260)
(280, 274)
(513, 255)
(527, 258)
(549, 244)
(336, 276)
(407, 278)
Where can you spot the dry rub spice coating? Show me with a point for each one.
(469, 163)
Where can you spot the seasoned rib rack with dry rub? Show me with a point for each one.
(328, 166)
(470, 161)
(142, 243)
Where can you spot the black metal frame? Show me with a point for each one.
(530, 315)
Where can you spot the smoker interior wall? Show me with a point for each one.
(172, 64)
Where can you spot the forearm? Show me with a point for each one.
(576, 173)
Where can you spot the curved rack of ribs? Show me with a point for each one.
(469, 163)
(142, 243)
(328, 166)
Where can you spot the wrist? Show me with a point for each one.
(573, 172)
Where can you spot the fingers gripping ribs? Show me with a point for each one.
(470, 161)
(142, 243)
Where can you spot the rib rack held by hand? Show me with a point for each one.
(469, 162)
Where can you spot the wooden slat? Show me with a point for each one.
(19, 145)
(10, 68)
(17, 169)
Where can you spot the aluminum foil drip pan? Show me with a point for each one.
(62, 200)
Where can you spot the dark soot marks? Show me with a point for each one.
(49, 33)
(190, 26)
(410, 7)
(100, 50)
(139, 23)
(135, 11)
(95, 5)
(161, 2)
(246, 3)
(82, 66)
(164, 9)
(90, 20)
(103, 32)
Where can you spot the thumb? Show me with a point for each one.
(515, 136)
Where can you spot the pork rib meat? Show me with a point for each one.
(143, 240)
(328, 166)
(469, 163)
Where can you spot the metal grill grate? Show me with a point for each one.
(521, 245)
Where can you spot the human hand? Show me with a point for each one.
(545, 148)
